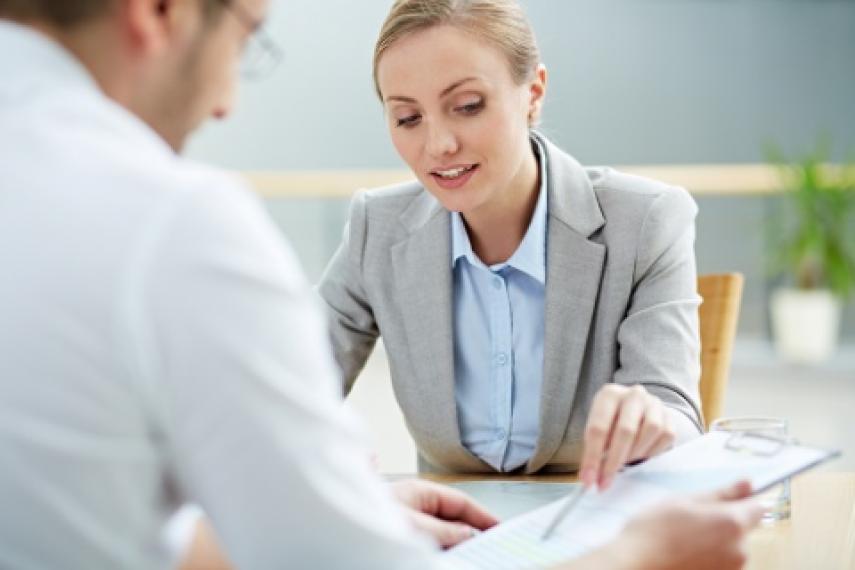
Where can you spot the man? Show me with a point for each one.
(158, 343)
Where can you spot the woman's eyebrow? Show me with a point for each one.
(455, 85)
(443, 93)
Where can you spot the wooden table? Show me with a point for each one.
(820, 535)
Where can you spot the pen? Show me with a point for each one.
(564, 511)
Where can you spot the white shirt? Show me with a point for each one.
(159, 344)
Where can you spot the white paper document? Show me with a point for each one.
(704, 464)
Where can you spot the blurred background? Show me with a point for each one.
(659, 84)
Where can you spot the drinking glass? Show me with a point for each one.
(777, 499)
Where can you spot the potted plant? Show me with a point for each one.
(812, 238)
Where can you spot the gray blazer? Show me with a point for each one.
(621, 304)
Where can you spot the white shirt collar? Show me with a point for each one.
(35, 65)
(28, 56)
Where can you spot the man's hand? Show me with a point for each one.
(625, 424)
(447, 514)
(702, 533)
(707, 533)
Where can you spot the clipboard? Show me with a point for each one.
(705, 464)
(718, 459)
(767, 446)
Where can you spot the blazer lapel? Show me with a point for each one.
(422, 274)
(574, 270)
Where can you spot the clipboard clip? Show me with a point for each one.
(757, 444)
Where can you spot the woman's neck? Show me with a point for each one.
(497, 228)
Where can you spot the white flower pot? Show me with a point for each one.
(805, 324)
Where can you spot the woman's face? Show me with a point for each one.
(458, 119)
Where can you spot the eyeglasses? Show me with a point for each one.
(261, 54)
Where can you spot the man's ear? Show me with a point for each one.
(154, 25)
(537, 94)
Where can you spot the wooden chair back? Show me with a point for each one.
(718, 315)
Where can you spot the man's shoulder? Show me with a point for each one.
(147, 164)
(189, 176)
(215, 201)
(178, 191)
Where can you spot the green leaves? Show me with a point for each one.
(812, 231)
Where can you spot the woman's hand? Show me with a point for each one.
(446, 514)
(625, 424)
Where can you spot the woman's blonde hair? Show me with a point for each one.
(501, 23)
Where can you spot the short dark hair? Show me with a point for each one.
(67, 14)
(61, 13)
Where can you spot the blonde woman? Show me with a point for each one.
(538, 315)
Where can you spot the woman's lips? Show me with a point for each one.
(455, 176)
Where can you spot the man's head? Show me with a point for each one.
(173, 63)
(62, 14)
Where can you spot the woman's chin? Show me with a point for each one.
(455, 200)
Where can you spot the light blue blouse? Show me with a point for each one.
(498, 341)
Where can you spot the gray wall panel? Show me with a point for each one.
(631, 81)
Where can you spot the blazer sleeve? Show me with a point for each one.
(658, 340)
(353, 328)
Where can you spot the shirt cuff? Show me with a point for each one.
(178, 533)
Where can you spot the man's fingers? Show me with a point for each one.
(456, 506)
(750, 512)
(453, 505)
(737, 491)
(735, 500)
(445, 533)
(745, 514)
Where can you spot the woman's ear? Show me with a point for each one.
(537, 93)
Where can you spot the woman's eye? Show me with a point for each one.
(408, 121)
(472, 108)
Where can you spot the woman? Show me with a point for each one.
(537, 315)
